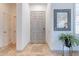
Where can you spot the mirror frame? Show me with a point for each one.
(68, 11)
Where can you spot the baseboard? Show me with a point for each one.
(23, 48)
(65, 53)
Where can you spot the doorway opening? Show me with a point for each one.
(37, 23)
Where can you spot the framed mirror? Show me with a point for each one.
(62, 19)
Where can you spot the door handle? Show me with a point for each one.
(14, 31)
(4, 32)
(43, 28)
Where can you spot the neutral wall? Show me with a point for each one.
(19, 27)
(76, 48)
(53, 36)
(48, 25)
(38, 6)
(23, 26)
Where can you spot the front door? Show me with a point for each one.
(37, 27)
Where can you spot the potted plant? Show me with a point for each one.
(69, 40)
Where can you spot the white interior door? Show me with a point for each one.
(6, 28)
(13, 29)
(1, 30)
(37, 27)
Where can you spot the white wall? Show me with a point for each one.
(38, 6)
(48, 25)
(23, 26)
(53, 36)
(19, 27)
(76, 10)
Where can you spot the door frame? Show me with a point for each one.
(45, 25)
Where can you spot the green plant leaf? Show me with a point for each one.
(71, 38)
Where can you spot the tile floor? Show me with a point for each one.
(9, 50)
(31, 50)
(36, 50)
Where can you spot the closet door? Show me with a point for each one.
(6, 28)
(1, 30)
(13, 29)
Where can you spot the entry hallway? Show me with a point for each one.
(31, 50)
(36, 50)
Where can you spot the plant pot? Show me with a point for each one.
(68, 43)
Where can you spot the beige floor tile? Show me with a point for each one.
(32, 50)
